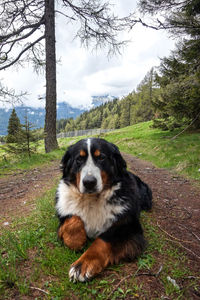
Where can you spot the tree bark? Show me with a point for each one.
(50, 50)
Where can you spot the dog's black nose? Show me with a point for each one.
(89, 182)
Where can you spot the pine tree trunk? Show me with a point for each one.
(50, 45)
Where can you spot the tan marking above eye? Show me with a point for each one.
(82, 153)
(97, 153)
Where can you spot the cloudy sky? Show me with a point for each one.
(83, 73)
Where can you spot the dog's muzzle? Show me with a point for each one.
(90, 183)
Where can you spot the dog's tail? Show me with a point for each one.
(146, 195)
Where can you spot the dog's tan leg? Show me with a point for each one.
(72, 232)
(92, 262)
(99, 255)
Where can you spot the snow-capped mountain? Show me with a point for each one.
(98, 100)
(36, 115)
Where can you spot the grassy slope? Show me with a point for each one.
(11, 163)
(181, 154)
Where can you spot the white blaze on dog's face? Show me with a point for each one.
(90, 175)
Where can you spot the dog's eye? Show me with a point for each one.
(79, 159)
(101, 157)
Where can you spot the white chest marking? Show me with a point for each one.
(94, 211)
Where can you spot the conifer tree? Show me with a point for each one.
(142, 110)
(125, 113)
(14, 127)
(29, 139)
(25, 140)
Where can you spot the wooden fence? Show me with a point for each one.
(97, 131)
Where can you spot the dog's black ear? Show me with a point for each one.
(66, 163)
(119, 163)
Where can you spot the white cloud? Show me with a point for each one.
(78, 97)
(82, 73)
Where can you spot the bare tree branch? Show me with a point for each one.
(98, 24)
(34, 26)
(10, 96)
(22, 52)
(65, 15)
(4, 38)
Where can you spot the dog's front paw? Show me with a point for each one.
(92, 262)
(84, 270)
(72, 232)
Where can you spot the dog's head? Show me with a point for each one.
(92, 165)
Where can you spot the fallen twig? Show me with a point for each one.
(159, 271)
(191, 277)
(134, 275)
(38, 289)
(173, 237)
(194, 234)
(121, 281)
(151, 274)
(185, 248)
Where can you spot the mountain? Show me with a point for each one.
(37, 115)
(65, 111)
(98, 100)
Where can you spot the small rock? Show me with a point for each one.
(173, 281)
(165, 200)
(6, 223)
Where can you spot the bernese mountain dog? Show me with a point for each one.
(98, 198)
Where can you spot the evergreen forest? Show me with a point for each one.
(134, 108)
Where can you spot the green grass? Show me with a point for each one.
(32, 257)
(11, 163)
(181, 154)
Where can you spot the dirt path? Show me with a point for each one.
(18, 191)
(176, 208)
